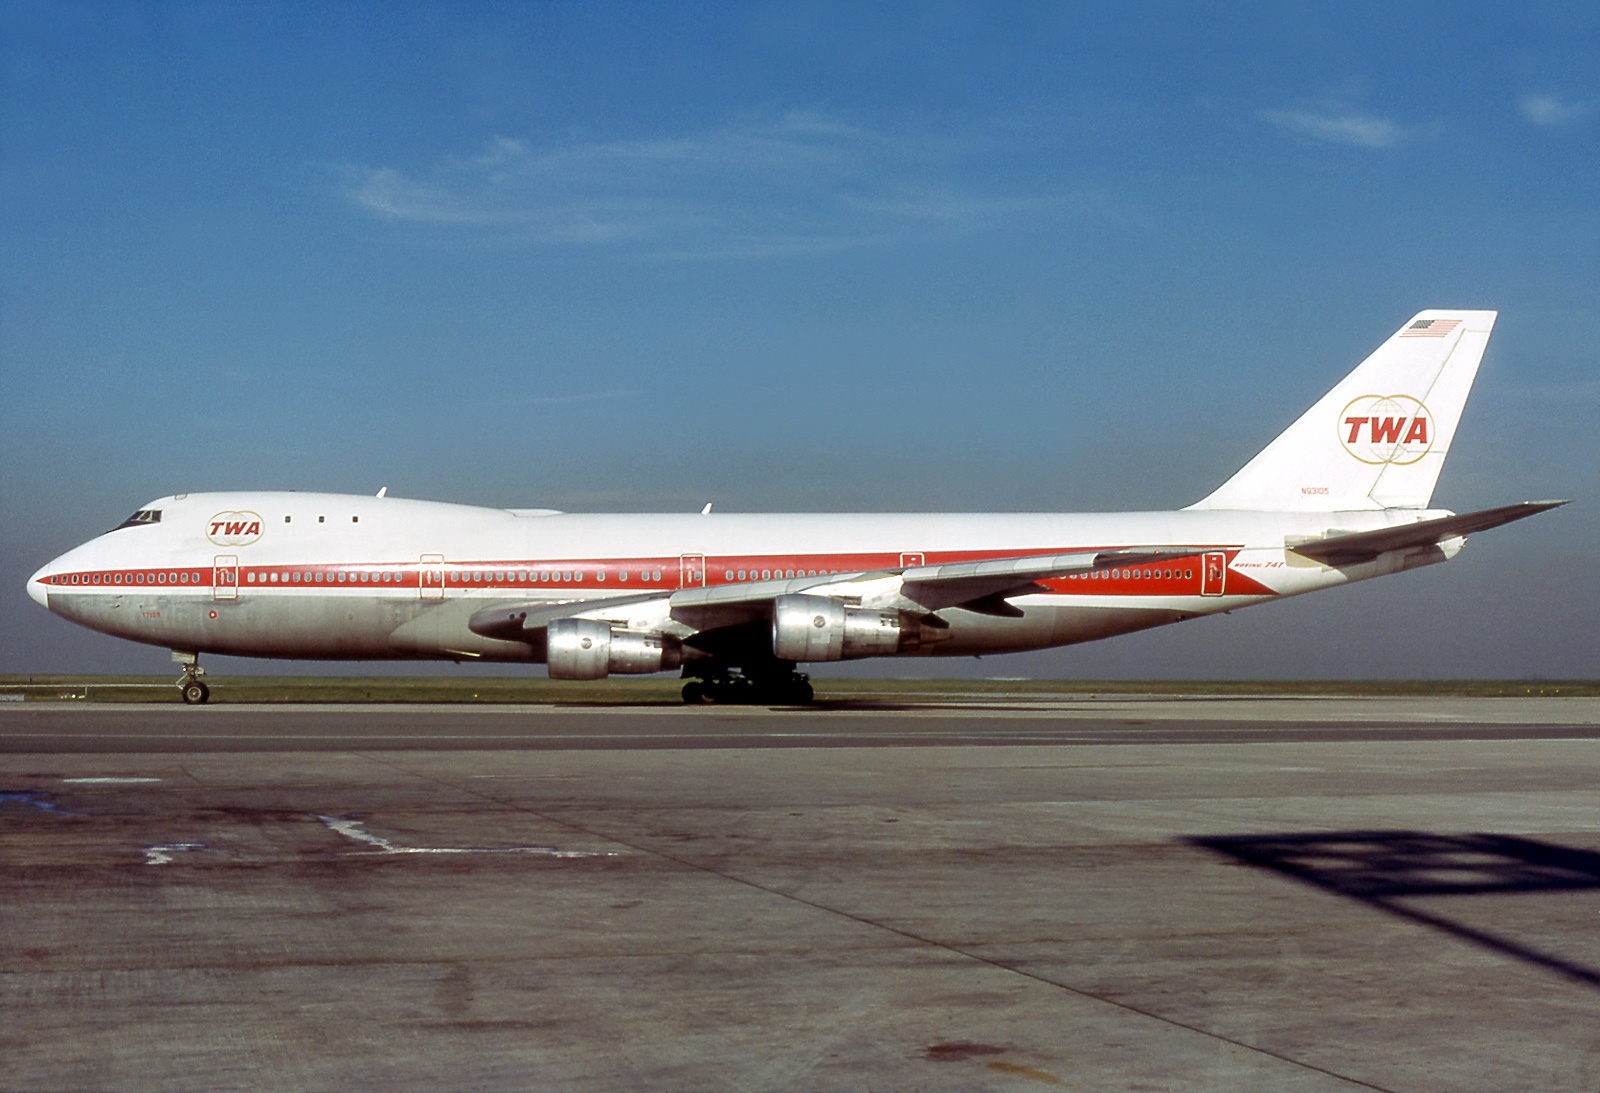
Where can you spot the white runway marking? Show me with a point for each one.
(162, 854)
(108, 781)
(352, 829)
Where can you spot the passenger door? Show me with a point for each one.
(225, 577)
(430, 576)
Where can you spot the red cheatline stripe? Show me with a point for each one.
(1177, 577)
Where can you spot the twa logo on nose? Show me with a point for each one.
(1386, 429)
(234, 528)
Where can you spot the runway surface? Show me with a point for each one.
(1118, 894)
(75, 727)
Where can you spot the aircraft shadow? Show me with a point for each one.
(1380, 868)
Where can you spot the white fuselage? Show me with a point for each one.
(334, 576)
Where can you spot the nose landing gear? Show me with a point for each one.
(191, 685)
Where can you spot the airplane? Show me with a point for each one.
(737, 602)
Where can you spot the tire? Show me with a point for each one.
(778, 692)
(728, 692)
(792, 692)
(694, 693)
(196, 693)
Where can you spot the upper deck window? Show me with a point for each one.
(143, 516)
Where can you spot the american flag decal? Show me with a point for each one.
(1430, 328)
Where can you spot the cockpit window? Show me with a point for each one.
(143, 516)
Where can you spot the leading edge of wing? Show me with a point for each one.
(1352, 548)
(521, 621)
(930, 586)
(955, 583)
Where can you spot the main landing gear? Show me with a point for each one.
(191, 685)
(727, 689)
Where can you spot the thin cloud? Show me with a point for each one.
(1337, 127)
(796, 184)
(1552, 112)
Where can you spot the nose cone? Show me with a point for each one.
(37, 588)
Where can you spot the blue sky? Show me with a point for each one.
(637, 257)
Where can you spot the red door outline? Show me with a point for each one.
(1213, 573)
(909, 560)
(430, 576)
(692, 571)
(225, 577)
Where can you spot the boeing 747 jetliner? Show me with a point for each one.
(737, 602)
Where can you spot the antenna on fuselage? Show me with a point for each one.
(383, 491)
(707, 510)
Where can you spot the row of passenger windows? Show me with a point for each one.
(1133, 575)
(477, 576)
(545, 576)
(133, 578)
(381, 576)
(776, 574)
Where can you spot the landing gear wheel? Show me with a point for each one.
(717, 691)
(196, 693)
(724, 691)
(793, 690)
(743, 690)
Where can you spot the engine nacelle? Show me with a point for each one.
(813, 628)
(591, 649)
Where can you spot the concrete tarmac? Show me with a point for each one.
(1116, 894)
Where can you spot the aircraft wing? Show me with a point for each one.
(979, 586)
(988, 583)
(1352, 548)
(747, 601)
(521, 621)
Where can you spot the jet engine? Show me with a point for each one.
(812, 628)
(591, 649)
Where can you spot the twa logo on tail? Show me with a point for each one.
(234, 528)
(1386, 429)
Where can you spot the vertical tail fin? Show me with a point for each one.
(1378, 439)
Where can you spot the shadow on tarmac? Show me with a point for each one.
(1381, 868)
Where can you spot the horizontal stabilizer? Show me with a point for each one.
(1362, 546)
